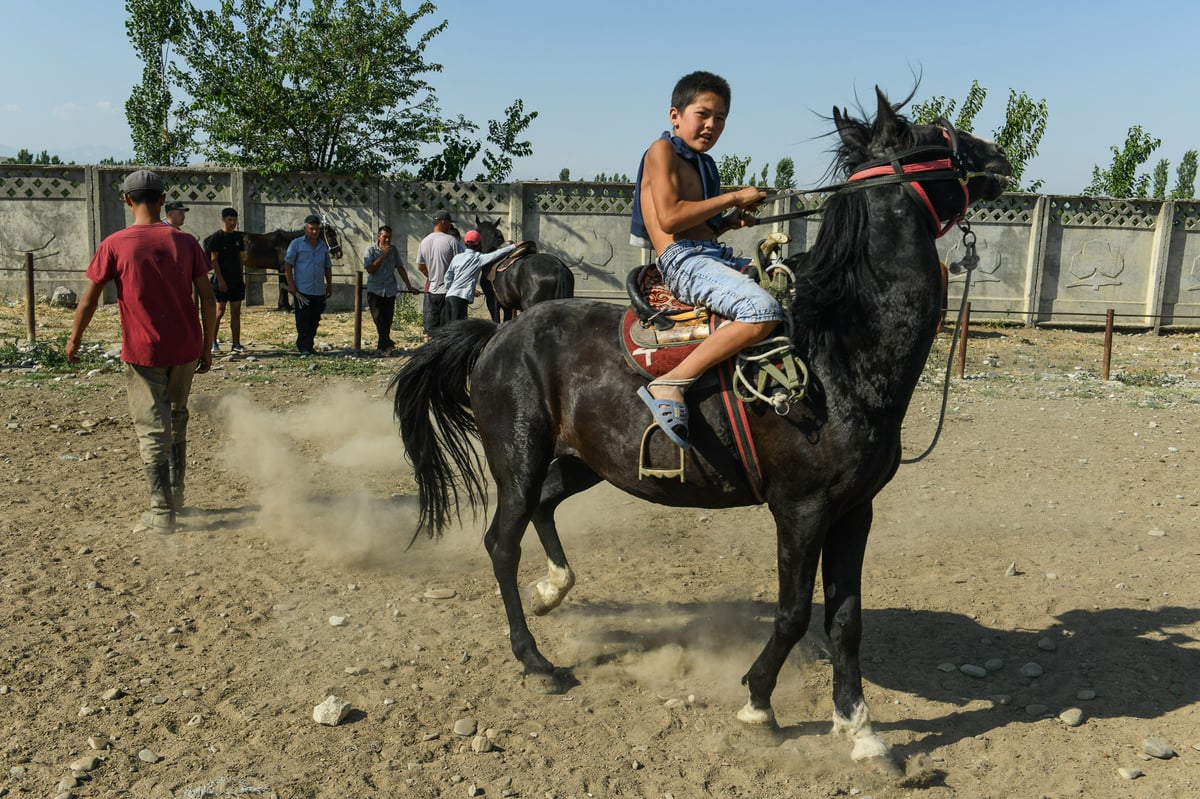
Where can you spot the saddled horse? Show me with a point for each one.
(267, 251)
(528, 280)
(556, 409)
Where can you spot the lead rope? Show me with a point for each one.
(968, 263)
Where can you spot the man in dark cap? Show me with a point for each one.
(176, 211)
(227, 249)
(155, 268)
(309, 273)
(434, 255)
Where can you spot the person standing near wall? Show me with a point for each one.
(309, 273)
(382, 263)
(462, 277)
(176, 213)
(155, 268)
(433, 259)
(227, 249)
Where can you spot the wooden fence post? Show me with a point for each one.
(358, 291)
(30, 316)
(1108, 328)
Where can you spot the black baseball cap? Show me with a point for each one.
(442, 216)
(175, 205)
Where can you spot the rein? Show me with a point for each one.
(968, 263)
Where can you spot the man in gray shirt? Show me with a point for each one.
(382, 263)
(433, 259)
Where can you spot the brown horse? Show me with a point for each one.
(266, 251)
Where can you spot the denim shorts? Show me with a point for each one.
(706, 273)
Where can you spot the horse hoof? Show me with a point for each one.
(556, 682)
(755, 717)
(882, 766)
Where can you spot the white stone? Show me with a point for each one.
(337, 621)
(332, 711)
(1072, 717)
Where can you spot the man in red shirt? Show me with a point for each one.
(155, 267)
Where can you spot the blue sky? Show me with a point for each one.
(600, 74)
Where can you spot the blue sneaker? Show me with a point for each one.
(216, 347)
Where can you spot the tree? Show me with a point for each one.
(1121, 178)
(504, 135)
(44, 158)
(733, 170)
(1024, 125)
(928, 111)
(564, 174)
(785, 174)
(152, 27)
(1161, 173)
(457, 152)
(335, 87)
(1185, 181)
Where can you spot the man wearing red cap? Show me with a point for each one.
(462, 276)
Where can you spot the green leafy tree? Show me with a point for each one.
(334, 86)
(785, 174)
(1024, 125)
(1162, 172)
(1121, 178)
(153, 26)
(732, 169)
(564, 174)
(43, 158)
(457, 152)
(1185, 181)
(504, 135)
(941, 107)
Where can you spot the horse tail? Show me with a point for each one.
(433, 409)
(564, 289)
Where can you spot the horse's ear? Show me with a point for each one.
(849, 131)
(497, 223)
(886, 125)
(478, 224)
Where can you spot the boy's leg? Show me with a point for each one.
(235, 322)
(387, 314)
(179, 387)
(729, 339)
(217, 325)
(150, 409)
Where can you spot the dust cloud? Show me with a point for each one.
(328, 475)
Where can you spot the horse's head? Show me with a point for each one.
(490, 237)
(330, 235)
(951, 167)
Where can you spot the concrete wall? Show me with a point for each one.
(1044, 259)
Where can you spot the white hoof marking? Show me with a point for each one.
(549, 592)
(752, 715)
(867, 744)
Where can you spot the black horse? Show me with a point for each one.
(532, 279)
(556, 410)
(267, 250)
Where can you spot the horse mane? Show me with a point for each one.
(830, 275)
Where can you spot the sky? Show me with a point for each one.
(600, 73)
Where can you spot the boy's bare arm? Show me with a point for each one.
(675, 196)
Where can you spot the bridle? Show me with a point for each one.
(911, 168)
(331, 243)
(944, 162)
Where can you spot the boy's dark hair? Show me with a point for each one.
(145, 196)
(384, 229)
(696, 83)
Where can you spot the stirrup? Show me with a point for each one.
(643, 449)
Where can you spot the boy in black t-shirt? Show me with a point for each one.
(227, 249)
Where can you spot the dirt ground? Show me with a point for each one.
(1054, 525)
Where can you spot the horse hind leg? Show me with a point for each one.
(566, 477)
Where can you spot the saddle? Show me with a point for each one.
(524, 250)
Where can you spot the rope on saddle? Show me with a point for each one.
(771, 371)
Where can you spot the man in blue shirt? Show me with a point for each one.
(309, 273)
(382, 264)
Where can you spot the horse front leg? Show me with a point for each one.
(798, 547)
(566, 477)
(842, 561)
